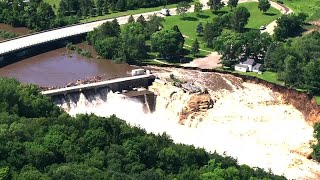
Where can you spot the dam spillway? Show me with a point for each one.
(118, 84)
(99, 92)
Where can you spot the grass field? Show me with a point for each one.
(257, 18)
(310, 7)
(267, 76)
(188, 26)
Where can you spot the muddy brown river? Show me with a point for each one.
(61, 66)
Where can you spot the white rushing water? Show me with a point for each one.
(240, 125)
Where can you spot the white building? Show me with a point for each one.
(248, 65)
(240, 67)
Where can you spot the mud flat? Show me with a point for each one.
(250, 122)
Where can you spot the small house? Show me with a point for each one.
(248, 65)
(240, 67)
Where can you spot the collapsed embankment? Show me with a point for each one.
(302, 101)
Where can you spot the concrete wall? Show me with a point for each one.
(115, 85)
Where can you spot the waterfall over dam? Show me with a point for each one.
(239, 124)
(95, 99)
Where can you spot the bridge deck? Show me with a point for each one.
(96, 85)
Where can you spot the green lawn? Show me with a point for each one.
(310, 7)
(267, 76)
(257, 18)
(188, 26)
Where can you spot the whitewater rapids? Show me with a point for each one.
(248, 122)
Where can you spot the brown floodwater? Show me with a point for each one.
(61, 66)
(18, 30)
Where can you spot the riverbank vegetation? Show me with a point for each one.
(78, 50)
(7, 35)
(38, 141)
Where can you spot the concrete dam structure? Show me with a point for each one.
(99, 92)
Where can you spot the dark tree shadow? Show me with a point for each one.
(188, 18)
(199, 56)
(203, 16)
(219, 13)
(269, 14)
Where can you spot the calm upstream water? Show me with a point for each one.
(61, 66)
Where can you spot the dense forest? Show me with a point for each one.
(39, 141)
(38, 15)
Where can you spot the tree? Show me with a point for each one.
(116, 26)
(198, 7)
(121, 5)
(141, 20)
(289, 25)
(229, 45)
(311, 74)
(99, 7)
(215, 5)
(255, 44)
(154, 24)
(195, 48)
(200, 29)
(45, 16)
(166, 43)
(133, 45)
(264, 5)
(108, 47)
(105, 7)
(239, 18)
(131, 19)
(182, 8)
(179, 37)
(233, 3)
(290, 74)
(211, 31)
